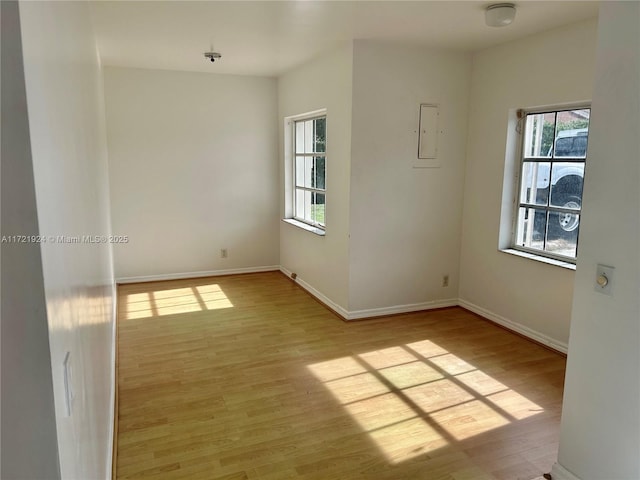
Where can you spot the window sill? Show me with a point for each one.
(538, 258)
(304, 226)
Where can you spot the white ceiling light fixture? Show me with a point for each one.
(500, 14)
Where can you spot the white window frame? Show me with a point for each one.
(290, 173)
(538, 254)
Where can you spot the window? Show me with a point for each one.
(554, 151)
(309, 170)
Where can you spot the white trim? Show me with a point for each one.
(515, 326)
(373, 312)
(322, 112)
(112, 407)
(558, 472)
(304, 226)
(395, 309)
(319, 295)
(539, 258)
(209, 273)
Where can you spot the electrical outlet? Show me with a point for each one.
(445, 280)
(224, 253)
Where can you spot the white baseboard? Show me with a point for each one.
(373, 312)
(319, 295)
(209, 273)
(515, 326)
(395, 309)
(558, 472)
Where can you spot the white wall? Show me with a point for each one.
(545, 69)
(193, 170)
(66, 121)
(322, 261)
(29, 440)
(405, 221)
(600, 432)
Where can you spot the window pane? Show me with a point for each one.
(308, 136)
(566, 185)
(307, 206)
(308, 171)
(299, 204)
(299, 137)
(562, 223)
(562, 235)
(317, 208)
(319, 173)
(299, 171)
(535, 182)
(572, 133)
(531, 228)
(539, 132)
(570, 144)
(320, 127)
(303, 205)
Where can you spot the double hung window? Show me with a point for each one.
(549, 203)
(310, 170)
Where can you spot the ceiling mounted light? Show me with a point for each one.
(212, 56)
(500, 14)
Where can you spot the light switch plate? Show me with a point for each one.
(606, 272)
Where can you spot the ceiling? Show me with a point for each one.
(270, 37)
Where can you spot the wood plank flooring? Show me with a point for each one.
(248, 377)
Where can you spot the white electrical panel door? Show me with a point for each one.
(428, 138)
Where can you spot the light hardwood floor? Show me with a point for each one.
(248, 377)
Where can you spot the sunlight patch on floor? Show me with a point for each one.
(407, 439)
(338, 368)
(419, 397)
(156, 303)
(410, 374)
(356, 387)
(380, 412)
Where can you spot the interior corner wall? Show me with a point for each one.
(29, 437)
(193, 170)
(600, 428)
(66, 121)
(405, 222)
(548, 68)
(321, 262)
